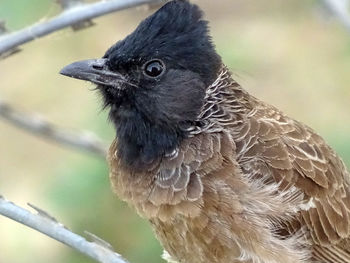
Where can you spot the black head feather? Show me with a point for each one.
(176, 33)
(154, 81)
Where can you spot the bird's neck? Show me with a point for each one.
(226, 104)
(141, 143)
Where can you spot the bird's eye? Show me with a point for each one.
(154, 68)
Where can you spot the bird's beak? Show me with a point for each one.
(94, 70)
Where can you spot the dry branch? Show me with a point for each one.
(69, 17)
(4, 31)
(39, 126)
(97, 249)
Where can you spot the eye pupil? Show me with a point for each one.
(154, 68)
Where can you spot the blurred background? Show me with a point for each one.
(289, 53)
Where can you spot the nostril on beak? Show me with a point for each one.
(97, 66)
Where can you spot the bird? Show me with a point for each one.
(221, 176)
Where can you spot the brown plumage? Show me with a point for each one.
(252, 185)
(241, 181)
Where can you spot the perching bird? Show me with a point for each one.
(222, 176)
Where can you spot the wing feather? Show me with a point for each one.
(293, 154)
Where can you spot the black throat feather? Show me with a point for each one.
(140, 142)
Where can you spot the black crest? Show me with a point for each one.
(176, 33)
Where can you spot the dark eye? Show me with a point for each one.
(154, 68)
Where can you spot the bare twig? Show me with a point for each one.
(98, 250)
(3, 31)
(39, 126)
(72, 16)
(339, 8)
(68, 4)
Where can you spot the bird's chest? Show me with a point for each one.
(189, 199)
(176, 185)
(203, 209)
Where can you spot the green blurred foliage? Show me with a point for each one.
(18, 14)
(280, 51)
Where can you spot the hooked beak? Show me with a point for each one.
(94, 70)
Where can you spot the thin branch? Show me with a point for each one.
(68, 4)
(98, 249)
(38, 126)
(339, 8)
(75, 15)
(4, 31)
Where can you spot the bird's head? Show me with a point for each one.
(154, 81)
